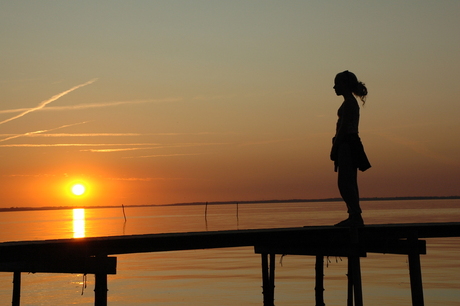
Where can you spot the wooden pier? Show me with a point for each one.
(95, 255)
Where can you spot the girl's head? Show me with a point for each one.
(346, 82)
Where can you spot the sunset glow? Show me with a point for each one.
(227, 101)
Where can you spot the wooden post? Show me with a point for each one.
(355, 290)
(265, 277)
(356, 278)
(350, 284)
(268, 279)
(16, 288)
(415, 273)
(319, 284)
(272, 278)
(100, 287)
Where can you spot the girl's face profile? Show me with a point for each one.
(338, 86)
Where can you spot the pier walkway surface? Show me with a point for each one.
(93, 255)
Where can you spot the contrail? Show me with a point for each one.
(93, 105)
(40, 131)
(46, 102)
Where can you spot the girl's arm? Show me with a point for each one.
(346, 120)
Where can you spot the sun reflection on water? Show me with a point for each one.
(78, 223)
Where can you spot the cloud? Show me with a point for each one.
(55, 135)
(114, 150)
(86, 106)
(264, 142)
(135, 179)
(29, 175)
(30, 145)
(136, 147)
(51, 135)
(165, 155)
(129, 179)
(46, 102)
(35, 133)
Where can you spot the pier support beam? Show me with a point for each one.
(415, 272)
(355, 290)
(100, 287)
(16, 288)
(319, 281)
(268, 278)
(100, 266)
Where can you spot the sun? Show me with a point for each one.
(78, 189)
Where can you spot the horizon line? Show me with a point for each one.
(274, 201)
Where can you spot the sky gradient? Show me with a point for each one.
(153, 102)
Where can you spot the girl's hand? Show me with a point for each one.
(334, 153)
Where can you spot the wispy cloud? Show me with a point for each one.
(165, 155)
(85, 106)
(29, 175)
(35, 133)
(114, 150)
(264, 142)
(143, 179)
(45, 133)
(128, 179)
(56, 135)
(132, 145)
(31, 145)
(42, 104)
(133, 179)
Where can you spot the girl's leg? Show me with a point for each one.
(348, 182)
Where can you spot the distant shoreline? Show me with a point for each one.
(12, 209)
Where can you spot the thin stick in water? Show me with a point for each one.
(206, 216)
(237, 217)
(123, 207)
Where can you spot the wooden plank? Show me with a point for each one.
(311, 250)
(402, 247)
(89, 265)
(87, 247)
(406, 230)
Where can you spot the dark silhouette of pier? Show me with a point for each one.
(94, 255)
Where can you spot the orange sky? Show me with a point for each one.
(183, 101)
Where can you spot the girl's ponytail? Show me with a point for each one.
(360, 91)
(358, 88)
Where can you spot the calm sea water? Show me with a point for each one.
(232, 276)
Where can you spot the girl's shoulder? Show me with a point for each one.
(349, 108)
(351, 101)
(350, 104)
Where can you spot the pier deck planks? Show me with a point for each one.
(301, 236)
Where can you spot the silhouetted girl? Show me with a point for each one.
(347, 150)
